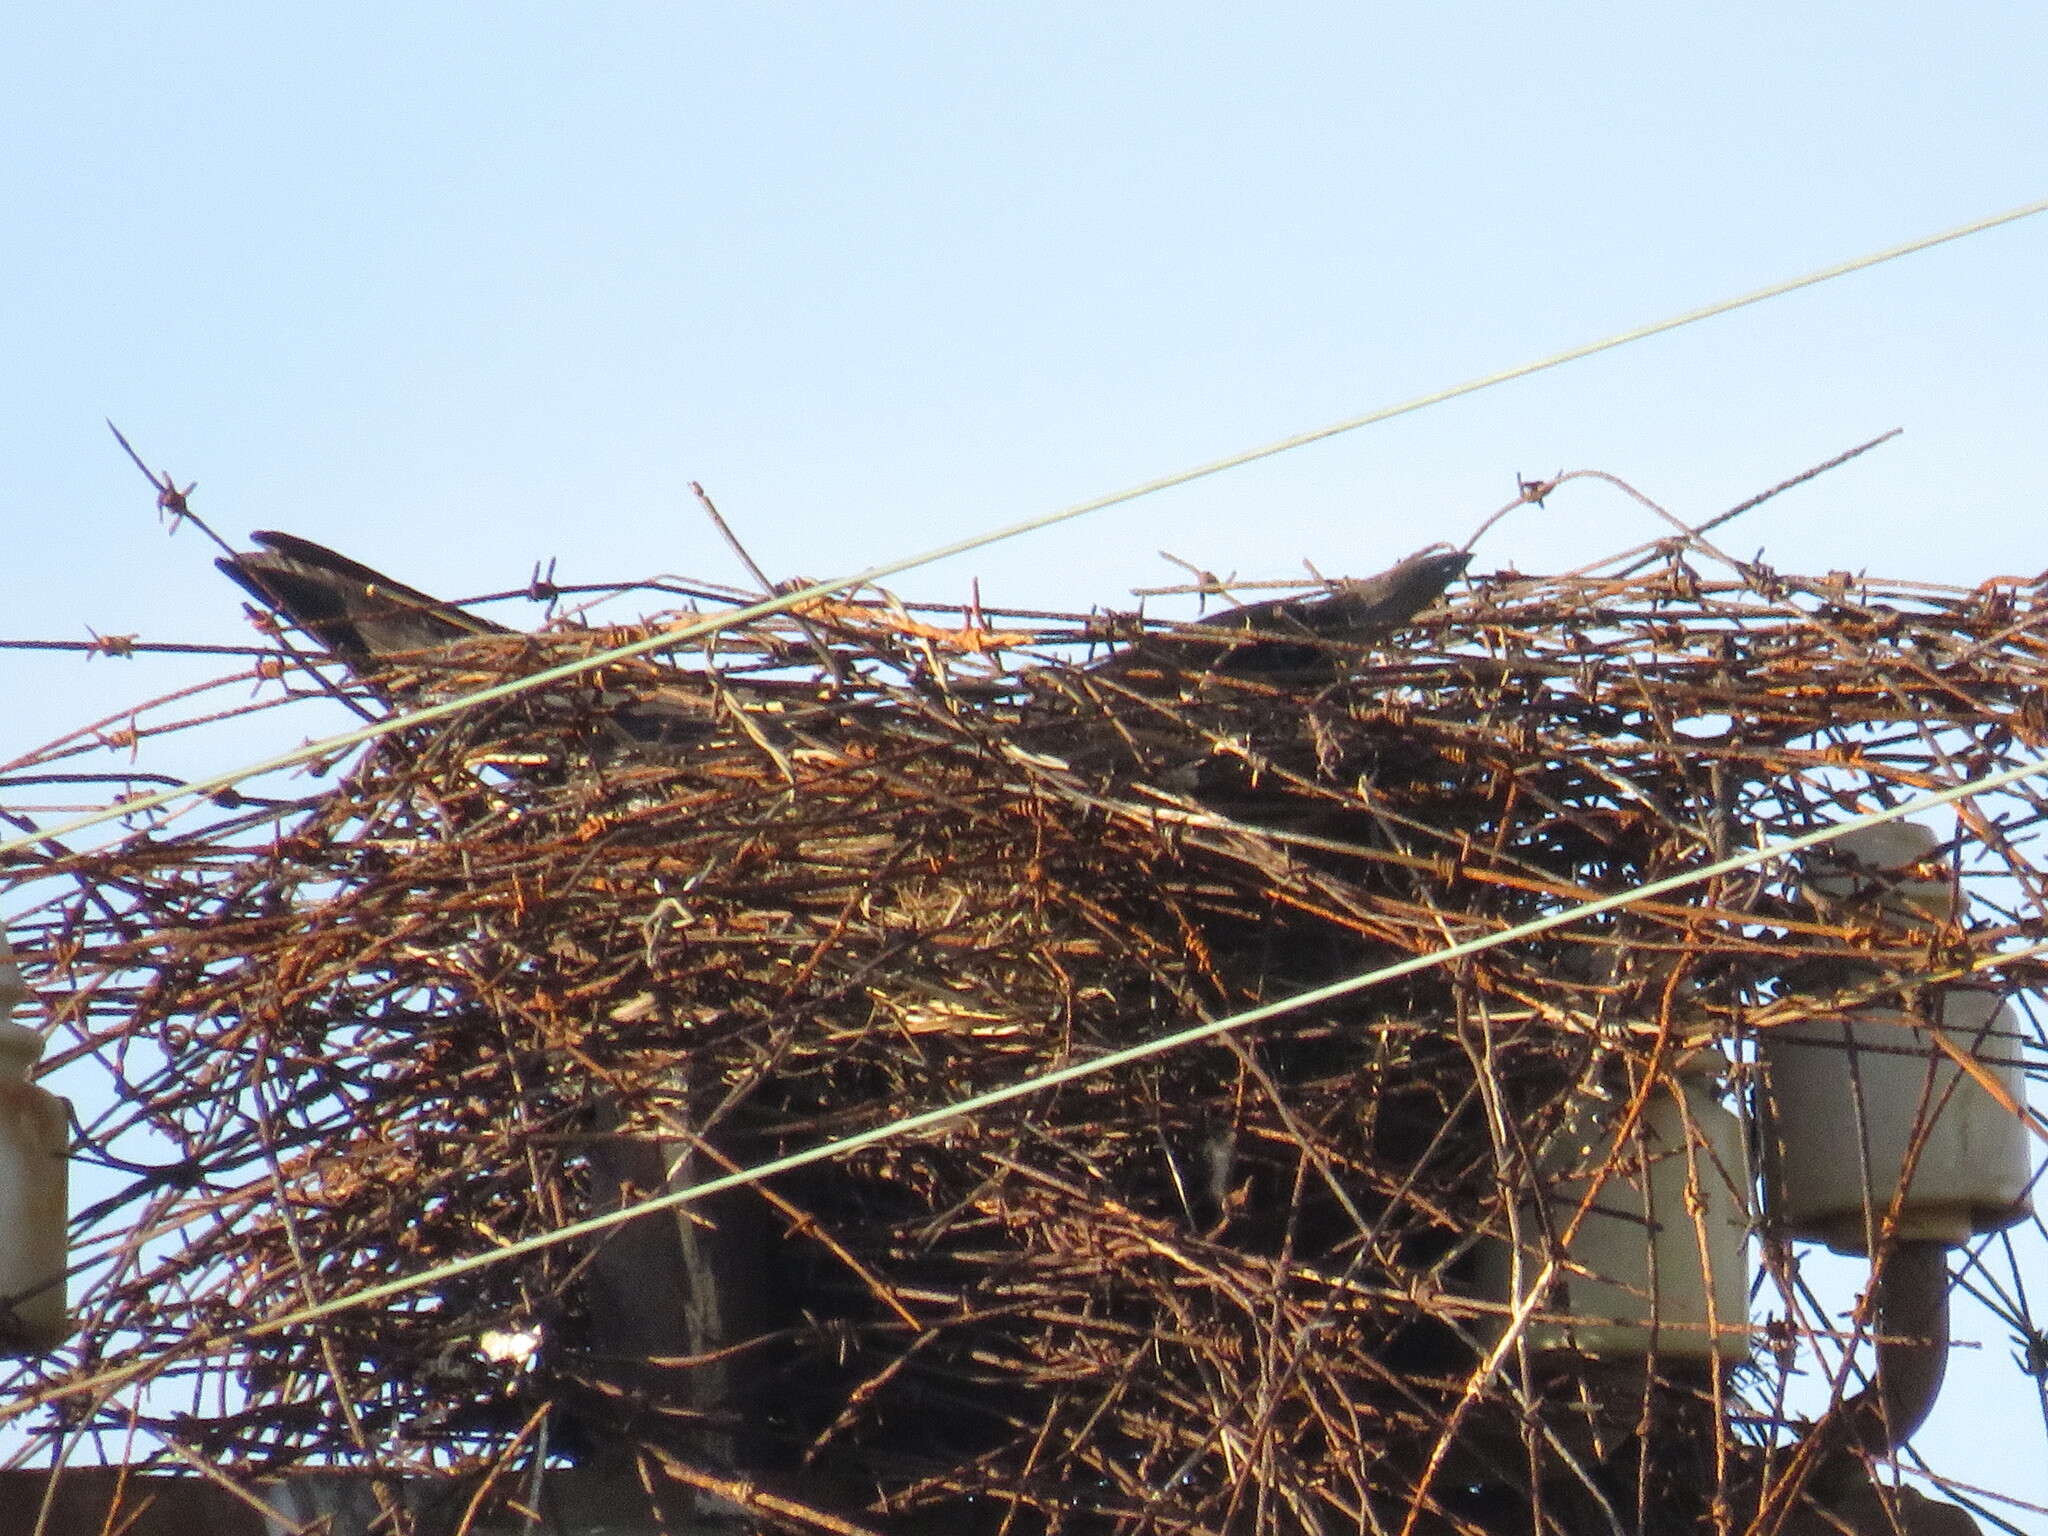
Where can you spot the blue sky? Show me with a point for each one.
(457, 288)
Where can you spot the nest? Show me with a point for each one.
(502, 972)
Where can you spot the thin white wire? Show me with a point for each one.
(695, 631)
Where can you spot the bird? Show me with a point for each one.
(1304, 638)
(388, 633)
(356, 614)
(372, 624)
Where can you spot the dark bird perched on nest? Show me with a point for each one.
(1306, 639)
(357, 615)
(379, 627)
(363, 618)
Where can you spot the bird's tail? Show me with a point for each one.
(355, 613)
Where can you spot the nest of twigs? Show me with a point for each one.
(499, 973)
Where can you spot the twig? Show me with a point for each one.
(833, 666)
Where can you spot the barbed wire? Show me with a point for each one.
(814, 591)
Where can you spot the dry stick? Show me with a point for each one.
(834, 668)
(1741, 507)
(754, 1499)
(1686, 533)
(536, 1423)
(264, 1510)
(330, 1356)
(1799, 479)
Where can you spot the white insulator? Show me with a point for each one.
(1658, 1264)
(1866, 1102)
(13, 989)
(34, 1130)
(1890, 871)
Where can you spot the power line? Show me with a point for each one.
(782, 603)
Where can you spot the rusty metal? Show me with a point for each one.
(484, 977)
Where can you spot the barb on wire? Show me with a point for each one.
(171, 498)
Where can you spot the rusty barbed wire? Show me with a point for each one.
(493, 973)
